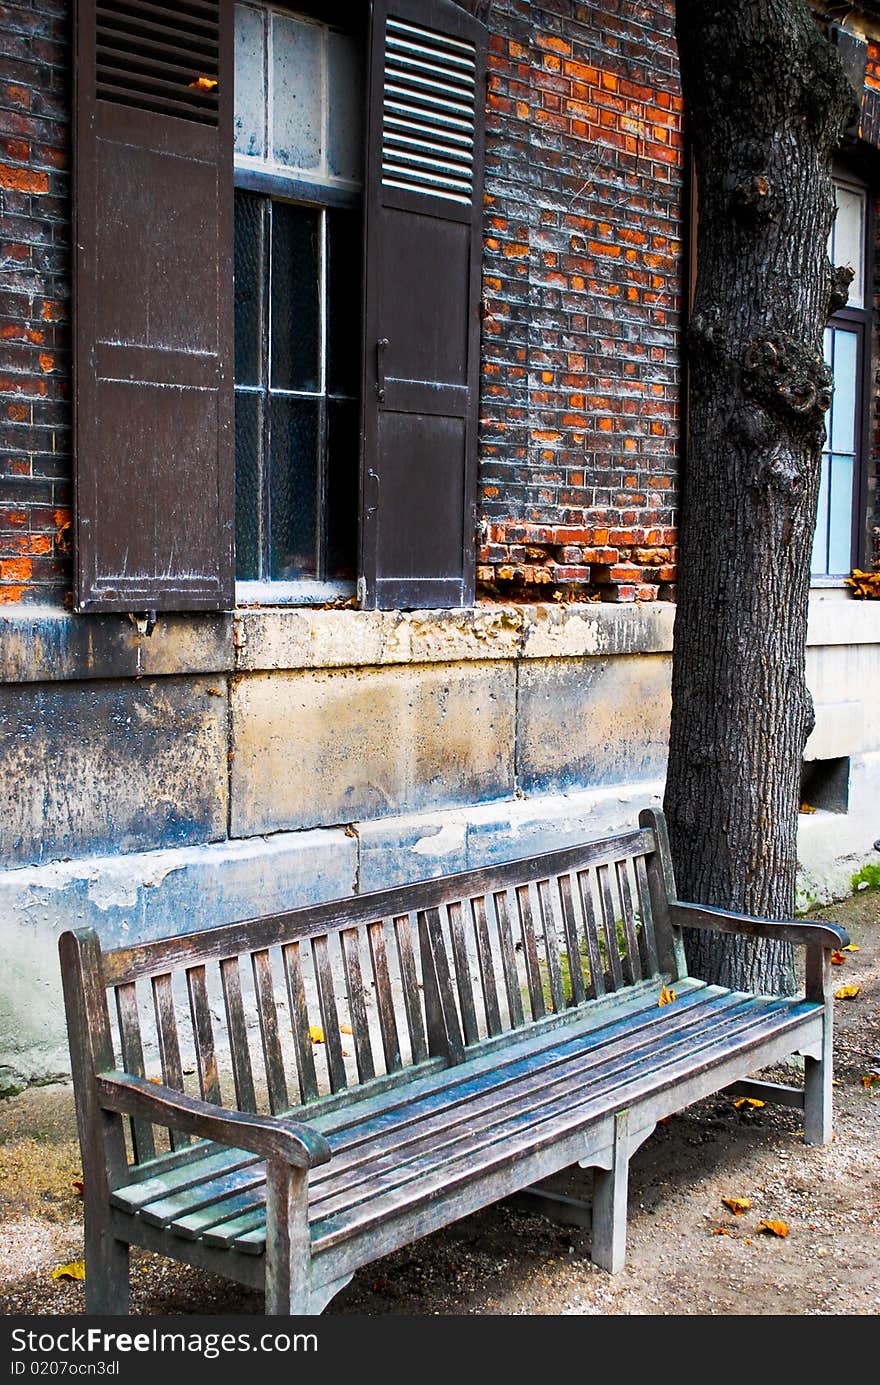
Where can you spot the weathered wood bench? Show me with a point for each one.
(418, 1053)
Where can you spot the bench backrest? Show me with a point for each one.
(305, 1006)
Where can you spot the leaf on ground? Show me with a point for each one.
(750, 1101)
(847, 992)
(870, 1079)
(806, 808)
(851, 947)
(667, 995)
(79, 1187)
(76, 1269)
(722, 1231)
(773, 1228)
(737, 1205)
(345, 1029)
(316, 1034)
(837, 959)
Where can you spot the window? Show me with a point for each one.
(301, 248)
(835, 546)
(298, 250)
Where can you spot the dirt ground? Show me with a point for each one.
(509, 1261)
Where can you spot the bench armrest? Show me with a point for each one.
(269, 1136)
(802, 931)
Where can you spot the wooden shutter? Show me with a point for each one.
(422, 290)
(153, 305)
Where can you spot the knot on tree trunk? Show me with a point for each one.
(841, 278)
(790, 379)
(749, 198)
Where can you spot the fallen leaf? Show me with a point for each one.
(316, 1034)
(847, 993)
(737, 1205)
(773, 1228)
(864, 584)
(806, 808)
(345, 1053)
(870, 1079)
(156, 1080)
(345, 1029)
(79, 1187)
(204, 84)
(76, 1269)
(837, 959)
(851, 947)
(667, 995)
(722, 1231)
(751, 1101)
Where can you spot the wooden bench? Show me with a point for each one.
(417, 1054)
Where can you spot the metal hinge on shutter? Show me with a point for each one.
(428, 112)
(160, 57)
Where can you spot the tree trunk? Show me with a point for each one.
(766, 101)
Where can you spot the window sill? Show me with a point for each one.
(302, 593)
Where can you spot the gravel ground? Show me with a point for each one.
(509, 1261)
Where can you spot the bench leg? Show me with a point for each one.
(817, 1101)
(107, 1290)
(288, 1248)
(609, 1203)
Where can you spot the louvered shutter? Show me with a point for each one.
(153, 305)
(422, 291)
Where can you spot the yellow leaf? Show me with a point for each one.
(806, 808)
(837, 959)
(722, 1231)
(870, 1079)
(773, 1228)
(316, 1034)
(851, 947)
(205, 84)
(345, 1029)
(667, 995)
(75, 1270)
(751, 1101)
(737, 1205)
(847, 993)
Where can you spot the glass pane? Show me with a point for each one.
(250, 81)
(342, 488)
(297, 89)
(841, 516)
(819, 561)
(345, 99)
(344, 249)
(293, 486)
(295, 294)
(249, 260)
(843, 408)
(248, 409)
(849, 239)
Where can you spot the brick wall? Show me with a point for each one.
(583, 288)
(34, 290)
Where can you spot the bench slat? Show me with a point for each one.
(164, 1210)
(267, 1010)
(299, 1020)
(609, 928)
(169, 1044)
(329, 1013)
(203, 1034)
(360, 1024)
(508, 959)
(132, 1196)
(632, 962)
(551, 945)
(530, 952)
(409, 981)
(242, 1073)
(142, 1138)
(384, 997)
(463, 984)
(487, 968)
(650, 962)
(578, 992)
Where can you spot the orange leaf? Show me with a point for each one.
(737, 1205)
(847, 993)
(773, 1228)
(76, 1269)
(806, 808)
(751, 1101)
(722, 1231)
(345, 1029)
(870, 1079)
(667, 995)
(837, 959)
(204, 84)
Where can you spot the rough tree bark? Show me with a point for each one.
(766, 103)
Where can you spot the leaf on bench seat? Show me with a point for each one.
(667, 995)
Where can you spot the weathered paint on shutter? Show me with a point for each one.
(153, 305)
(422, 292)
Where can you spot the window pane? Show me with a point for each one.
(293, 487)
(250, 81)
(849, 239)
(296, 313)
(843, 408)
(247, 485)
(249, 257)
(343, 302)
(841, 516)
(819, 561)
(345, 95)
(297, 118)
(342, 488)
